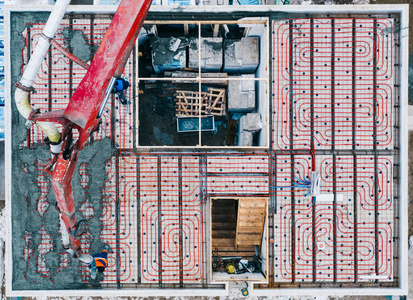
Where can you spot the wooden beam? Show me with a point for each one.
(222, 242)
(186, 29)
(252, 204)
(216, 30)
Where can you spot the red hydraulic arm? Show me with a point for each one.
(82, 112)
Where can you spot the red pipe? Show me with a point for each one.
(69, 55)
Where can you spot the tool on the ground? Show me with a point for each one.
(244, 291)
(217, 260)
(244, 265)
(119, 88)
(231, 263)
(230, 268)
(236, 265)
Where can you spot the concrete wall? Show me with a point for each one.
(261, 86)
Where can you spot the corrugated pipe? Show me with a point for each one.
(25, 85)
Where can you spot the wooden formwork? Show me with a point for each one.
(187, 103)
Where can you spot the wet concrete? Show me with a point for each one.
(79, 46)
(30, 222)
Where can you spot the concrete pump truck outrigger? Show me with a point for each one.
(83, 113)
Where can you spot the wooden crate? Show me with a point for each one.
(187, 103)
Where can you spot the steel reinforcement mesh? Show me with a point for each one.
(333, 110)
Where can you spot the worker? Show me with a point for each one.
(120, 85)
(96, 262)
(119, 89)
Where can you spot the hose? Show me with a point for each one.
(25, 85)
(22, 102)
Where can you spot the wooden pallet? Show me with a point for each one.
(187, 103)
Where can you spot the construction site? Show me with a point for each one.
(252, 151)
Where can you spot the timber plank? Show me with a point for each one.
(232, 249)
(227, 242)
(236, 253)
(223, 234)
(223, 202)
(244, 223)
(223, 225)
(223, 209)
(252, 203)
(250, 229)
(223, 218)
(243, 239)
(255, 217)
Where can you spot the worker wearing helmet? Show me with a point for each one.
(96, 262)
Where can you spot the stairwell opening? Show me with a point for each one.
(238, 245)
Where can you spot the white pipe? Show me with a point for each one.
(42, 46)
(55, 149)
(30, 73)
(56, 17)
(65, 234)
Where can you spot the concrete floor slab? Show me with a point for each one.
(146, 204)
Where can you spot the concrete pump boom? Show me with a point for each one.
(82, 113)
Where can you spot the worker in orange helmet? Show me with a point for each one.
(96, 262)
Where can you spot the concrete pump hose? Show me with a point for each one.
(30, 73)
(64, 233)
(22, 102)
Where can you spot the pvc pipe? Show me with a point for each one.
(30, 73)
(42, 46)
(56, 148)
(55, 18)
(35, 62)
